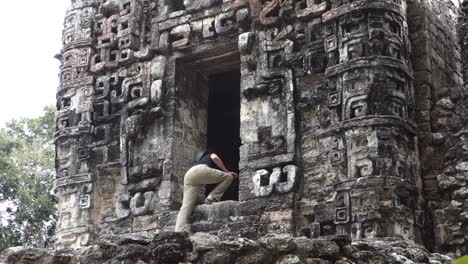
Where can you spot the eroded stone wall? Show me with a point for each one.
(441, 117)
(352, 118)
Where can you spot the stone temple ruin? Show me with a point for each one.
(351, 116)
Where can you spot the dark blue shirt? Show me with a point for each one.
(206, 159)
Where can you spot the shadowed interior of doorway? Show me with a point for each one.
(224, 123)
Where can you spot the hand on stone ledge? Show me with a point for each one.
(235, 175)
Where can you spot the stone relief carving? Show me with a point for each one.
(279, 180)
(326, 85)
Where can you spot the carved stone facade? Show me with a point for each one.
(352, 118)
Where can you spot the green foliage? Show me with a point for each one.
(462, 260)
(27, 204)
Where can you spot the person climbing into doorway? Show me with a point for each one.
(209, 169)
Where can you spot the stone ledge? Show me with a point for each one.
(173, 248)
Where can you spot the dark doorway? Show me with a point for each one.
(224, 123)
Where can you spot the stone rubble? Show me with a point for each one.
(174, 248)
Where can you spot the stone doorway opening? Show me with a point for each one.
(208, 111)
(224, 123)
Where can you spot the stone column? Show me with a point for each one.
(75, 184)
(361, 154)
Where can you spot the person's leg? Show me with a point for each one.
(188, 202)
(208, 175)
(190, 197)
(219, 190)
(193, 180)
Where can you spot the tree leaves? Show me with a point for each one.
(27, 204)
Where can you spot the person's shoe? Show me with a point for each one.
(187, 229)
(210, 199)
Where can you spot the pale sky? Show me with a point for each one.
(31, 33)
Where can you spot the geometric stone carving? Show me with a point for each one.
(261, 183)
(85, 201)
(73, 180)
(271, 88)
(280, 181)
(142, 203)
(208, 28)
(180, 36)
(225, 22)
(289, 183)
(122, 206)
(139, 204)
(342, 204)
(246, 41)
(156, 92)
(158, 67)
(364, 167)
(357, 107)
(267, 14)
(308, 8)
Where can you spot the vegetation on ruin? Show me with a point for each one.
(27, 204)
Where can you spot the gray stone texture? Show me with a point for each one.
(173, 248)
(353, 124)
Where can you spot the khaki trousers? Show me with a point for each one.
(195, 178)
